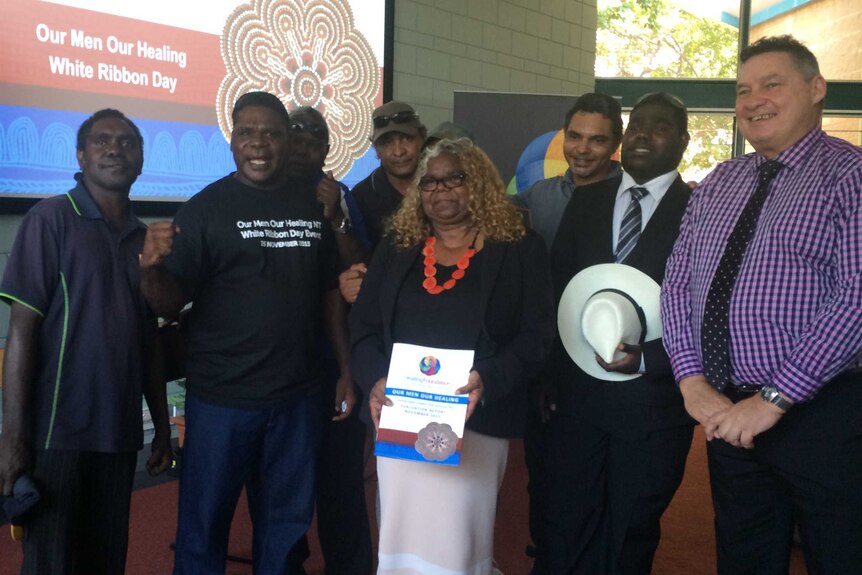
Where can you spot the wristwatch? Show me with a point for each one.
(770, 394)
(343, 227)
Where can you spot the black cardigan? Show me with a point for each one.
(518, 329)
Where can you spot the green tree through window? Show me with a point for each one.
(657, 39)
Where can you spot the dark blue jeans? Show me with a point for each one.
(270, 450)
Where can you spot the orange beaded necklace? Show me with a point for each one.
(430, 261)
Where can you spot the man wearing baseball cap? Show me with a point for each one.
(397, 138)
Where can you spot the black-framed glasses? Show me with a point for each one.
(398, 118)
(450, 182)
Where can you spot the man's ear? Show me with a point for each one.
(818, 89)
(80, 155)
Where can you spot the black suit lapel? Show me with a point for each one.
(492, 261)
(402, 260)
(599, 216)
(667, 213)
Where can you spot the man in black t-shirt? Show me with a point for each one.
(255, 254)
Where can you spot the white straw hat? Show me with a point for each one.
(602, 306)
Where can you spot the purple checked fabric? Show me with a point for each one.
(715, 331)
(795, 312)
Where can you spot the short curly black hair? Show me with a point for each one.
(668, 100)
(264, 100)
(87, 127)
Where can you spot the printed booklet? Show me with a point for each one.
(426, 419)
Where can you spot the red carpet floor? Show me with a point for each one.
(687, 545)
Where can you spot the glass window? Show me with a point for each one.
(660, 39)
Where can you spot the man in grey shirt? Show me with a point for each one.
(593, 131)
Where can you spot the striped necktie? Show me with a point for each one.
(630, 227)
(715, 328)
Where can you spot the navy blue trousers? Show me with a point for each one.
(272, 451)
(806, 470)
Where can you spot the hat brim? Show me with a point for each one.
(410, 129)
(639, 286)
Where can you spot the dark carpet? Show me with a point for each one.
(687, 545)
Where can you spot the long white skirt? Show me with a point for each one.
(437, 519)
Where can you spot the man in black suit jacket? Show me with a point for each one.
(616, 449)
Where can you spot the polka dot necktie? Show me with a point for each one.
(630, 226)
(715, 330)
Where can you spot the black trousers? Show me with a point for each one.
(807, 469)
(342, 518)
(534, 448)
(606, 495)
(81, 524)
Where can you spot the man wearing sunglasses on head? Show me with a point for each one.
(397, 139)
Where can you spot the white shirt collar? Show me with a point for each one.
(656, 186)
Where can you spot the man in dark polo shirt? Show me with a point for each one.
(74, 366)
(397, 139)
(256, 255)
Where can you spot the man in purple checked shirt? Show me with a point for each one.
(762, 313)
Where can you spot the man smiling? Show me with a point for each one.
(593, 129)
(763, 325)
(257, 257)
(616, 449)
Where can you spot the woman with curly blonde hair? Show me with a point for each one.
(459, 271)
(489, 208)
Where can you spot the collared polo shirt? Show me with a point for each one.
(82, 277)
(377, 200)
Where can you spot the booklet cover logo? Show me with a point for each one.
(429, 365)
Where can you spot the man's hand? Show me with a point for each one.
(350, 281)
(345, 398)
(475, 388)
(740, 424)
(630, 363)
(702, 401)
(161, 456)
(14, 461)
(377, 399)
(329, 194)
(158, 243)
